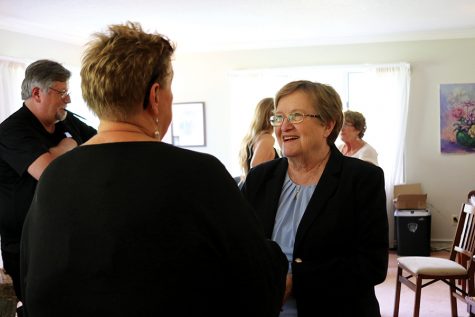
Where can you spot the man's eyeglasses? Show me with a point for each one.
(62, 93)
(293, 117)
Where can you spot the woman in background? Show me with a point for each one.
(258, 144)
(129, 226)
(352, 134)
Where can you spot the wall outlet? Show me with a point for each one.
(455, 219)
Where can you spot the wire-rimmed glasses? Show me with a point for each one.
(293, 117)
(62, 93)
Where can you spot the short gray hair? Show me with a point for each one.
(41, 74)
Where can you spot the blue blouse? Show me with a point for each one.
(292, 204)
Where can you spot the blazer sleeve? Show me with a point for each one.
(372, 227)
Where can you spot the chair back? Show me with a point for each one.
(471, 197)
(463, 247)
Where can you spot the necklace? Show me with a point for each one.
(299, 187)
(113, 131)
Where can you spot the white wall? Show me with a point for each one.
(204, 77)
(446, 178)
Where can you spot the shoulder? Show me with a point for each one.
(368, 153)
(351, 165)
(361, 169)
(194, 164)
(267, 170)
(368, 148)
(263, 177)
(20, 124)
(264, 137)
(17, 118)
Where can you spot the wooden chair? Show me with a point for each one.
(445, 270)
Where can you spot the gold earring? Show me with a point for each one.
(156, 134)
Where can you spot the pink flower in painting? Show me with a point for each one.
(458, 113)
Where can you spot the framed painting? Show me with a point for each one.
(457, 118)
(188, 124)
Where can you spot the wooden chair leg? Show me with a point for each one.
(397, 297)
(417, 300)
(453, 299)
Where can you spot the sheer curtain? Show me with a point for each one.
(11, 75)
(389, 102)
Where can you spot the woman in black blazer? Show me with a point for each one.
(325, 210)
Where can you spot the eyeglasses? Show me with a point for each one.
(293, 117)
(62, 93)
(347, 125)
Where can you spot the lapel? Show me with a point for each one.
(325, 189)
(273, 189)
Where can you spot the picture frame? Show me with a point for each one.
(188, 128)
(457, 118)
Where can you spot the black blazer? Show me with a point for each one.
(341, 245)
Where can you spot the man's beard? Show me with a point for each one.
(61, 115)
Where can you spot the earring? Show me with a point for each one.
(156, 134)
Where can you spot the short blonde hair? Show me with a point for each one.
(119, 67)
(325, 100)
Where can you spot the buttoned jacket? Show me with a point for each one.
(341, 244)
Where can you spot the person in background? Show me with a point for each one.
(32, 137)
(326, 211)
(352, 132)
(127, 225)
(258, 144)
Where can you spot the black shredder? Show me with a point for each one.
(413, 232)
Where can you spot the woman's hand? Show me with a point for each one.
(288, 288)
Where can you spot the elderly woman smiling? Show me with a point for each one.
(325, 210)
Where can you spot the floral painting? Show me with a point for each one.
(457, 118)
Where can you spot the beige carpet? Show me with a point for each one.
(434, 298)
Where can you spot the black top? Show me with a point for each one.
(145, 229)
(250, 153)
(342, 240)
(22, 140)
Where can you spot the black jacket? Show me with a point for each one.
(342, 240)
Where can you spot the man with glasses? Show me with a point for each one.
(40, 131)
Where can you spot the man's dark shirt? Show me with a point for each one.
(22, 140)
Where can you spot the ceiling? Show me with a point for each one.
(211, 25)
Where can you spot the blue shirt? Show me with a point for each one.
(293, 201)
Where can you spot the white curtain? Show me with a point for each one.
(389, 103)
(11, 75)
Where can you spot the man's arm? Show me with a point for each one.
(39, 165)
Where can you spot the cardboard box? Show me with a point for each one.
(409, 196)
